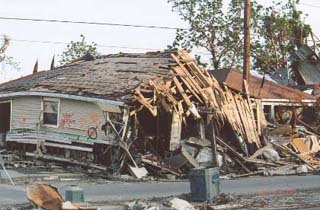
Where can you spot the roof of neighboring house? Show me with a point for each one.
(271, 90)
(111, 77)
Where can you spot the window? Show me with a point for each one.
(50, 111)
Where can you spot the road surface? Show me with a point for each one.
(117, 191)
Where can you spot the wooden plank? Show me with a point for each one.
(145, 102)
(190, 159)
(176, 128)
(183, 71)
(66, 160)
(193, 69)
(163, 90)
(308, 126)
(286, 149)
(232, 150)
(193, 91)
(258, 113)
(84, 149)
(242, 165)
(243, 119)
(182, 92)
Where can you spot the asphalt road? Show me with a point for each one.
(127, 191)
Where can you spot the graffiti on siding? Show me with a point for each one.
(67, 120)
(23, 120)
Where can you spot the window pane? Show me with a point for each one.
(50, 106)
(50, 118)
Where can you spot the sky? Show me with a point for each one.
(110, 39)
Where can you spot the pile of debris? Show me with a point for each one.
(206, 117)
(157, 114)
(47, 197)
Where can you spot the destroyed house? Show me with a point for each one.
(119, 111)
(70, 104)
(274, 97)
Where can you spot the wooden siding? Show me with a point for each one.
(25, 112)
(75, 117)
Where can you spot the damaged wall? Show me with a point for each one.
(75, 117)
(25, 112)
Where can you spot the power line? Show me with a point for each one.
(91, 23)
(99, 45)
(65, 43)
(310, 5)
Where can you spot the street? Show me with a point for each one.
(116, 191)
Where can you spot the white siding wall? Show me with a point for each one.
(75, 117)
(26, 112)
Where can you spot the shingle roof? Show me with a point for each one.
(112, 77)
(270, 90)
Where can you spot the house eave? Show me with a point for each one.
(65, 96)
(288, 102)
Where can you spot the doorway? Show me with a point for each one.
(5, 115)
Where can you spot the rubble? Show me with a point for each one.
(47, 197)
(175, 116)
(179, 204)
(44, 196)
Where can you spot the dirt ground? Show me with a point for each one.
(279, 200)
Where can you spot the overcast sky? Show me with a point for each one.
(113, 39)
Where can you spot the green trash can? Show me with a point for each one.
(204, 183)
(74, 194)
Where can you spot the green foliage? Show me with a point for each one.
(7, 60)
(3, 47)
(35, 67)
(218, 28)
(78, 49)
(280, 30)
(211, 28)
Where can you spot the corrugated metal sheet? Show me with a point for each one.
(306, 65)
(309, 72)
(270, 90)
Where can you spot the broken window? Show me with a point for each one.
(50, 111)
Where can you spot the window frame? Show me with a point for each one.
(42, 111)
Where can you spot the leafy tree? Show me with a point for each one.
(4, 58)
(78, 49)
(218, 28)
(211, 28)
(3, 47)
(281, 29)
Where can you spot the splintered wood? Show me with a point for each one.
(191, 90)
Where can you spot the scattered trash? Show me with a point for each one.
(47, 197)
(180, 204)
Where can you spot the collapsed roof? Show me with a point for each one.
(112, 77)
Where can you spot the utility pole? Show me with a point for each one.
(246, 60)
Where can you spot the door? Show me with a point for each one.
(5, 114)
